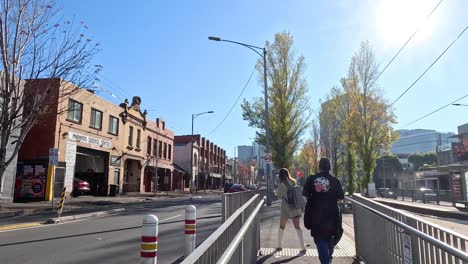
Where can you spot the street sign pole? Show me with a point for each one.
(268, 161)
(53, 161)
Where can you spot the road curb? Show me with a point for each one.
(429, 211)
(71, 218)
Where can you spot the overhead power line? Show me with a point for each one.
(430, 66)
(435, 111)
(410, 38)
(235, 103)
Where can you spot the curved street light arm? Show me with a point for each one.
(199, 114)
(246, 45)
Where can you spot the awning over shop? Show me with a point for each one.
(179, 169)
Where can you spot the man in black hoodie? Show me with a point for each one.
(323, 191)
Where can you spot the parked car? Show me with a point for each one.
(227, 186)
(386, 193)
(237, 188)
(80, 187)
(425, 194)
(253, 187)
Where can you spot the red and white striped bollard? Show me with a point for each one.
(149, 240)
(190, 229)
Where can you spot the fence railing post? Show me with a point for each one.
(223, 208)
(190, 229)
(149, 240)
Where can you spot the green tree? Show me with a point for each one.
(418, 159)
(288, 102)
(371, 116)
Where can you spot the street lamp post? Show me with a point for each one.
(191, 150)
(267, 123)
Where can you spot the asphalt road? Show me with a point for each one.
(112, 239)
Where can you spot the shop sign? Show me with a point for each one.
(90, 140)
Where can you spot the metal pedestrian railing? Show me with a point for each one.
(237, 240)
(385, 235)
(231, 202)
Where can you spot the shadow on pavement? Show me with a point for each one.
(266, 257)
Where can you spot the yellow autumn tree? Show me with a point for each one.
(370, 117)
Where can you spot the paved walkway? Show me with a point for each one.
(344, 251)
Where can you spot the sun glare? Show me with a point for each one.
(396, 20)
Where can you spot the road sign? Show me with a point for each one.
(407, 249)
(53, 156)
(267, 158)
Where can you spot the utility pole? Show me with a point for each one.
(236, 179)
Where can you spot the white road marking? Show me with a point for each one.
(172, 217)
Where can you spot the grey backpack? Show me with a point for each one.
(294, 197)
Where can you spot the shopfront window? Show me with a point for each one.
(75, 111)
(96, 119)
(113, 125)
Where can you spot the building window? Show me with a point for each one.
(155, 147)
(160, 150)
(169, 153)
(113, 125)
(138, 138)
(148, 146)
(130, 136)
(75, 111)
(165, 151)
(96, 119)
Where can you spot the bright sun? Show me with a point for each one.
(396, 20)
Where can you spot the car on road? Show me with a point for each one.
(386, 193)
(227, 186)
(237, 188)
(425, 194)
(80, 187)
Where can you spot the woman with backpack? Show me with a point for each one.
(322, 217)
(287, 211)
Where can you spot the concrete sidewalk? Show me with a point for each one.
(344, 251)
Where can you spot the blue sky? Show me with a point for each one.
(159, 50)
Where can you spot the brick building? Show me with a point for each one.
(98, 141)
(209, 161)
